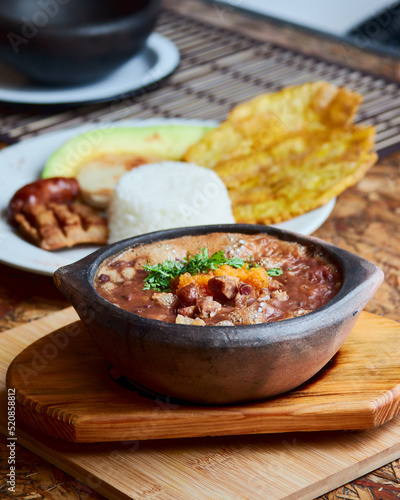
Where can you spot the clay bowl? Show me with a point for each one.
(224, 364)
(73, 41)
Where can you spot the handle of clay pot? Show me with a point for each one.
(74, 280)
(363, 279)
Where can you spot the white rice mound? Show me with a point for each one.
(167, 195)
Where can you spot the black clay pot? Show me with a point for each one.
(73, 41)
(223, 364)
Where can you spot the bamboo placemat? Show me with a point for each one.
(219, 68)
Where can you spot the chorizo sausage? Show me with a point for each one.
(41, 192)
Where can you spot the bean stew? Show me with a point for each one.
(221, 279)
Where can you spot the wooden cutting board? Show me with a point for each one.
(64, 388)
(274, 466)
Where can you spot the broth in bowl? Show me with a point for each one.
(220, 279)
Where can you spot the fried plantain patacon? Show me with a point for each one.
(287, 153)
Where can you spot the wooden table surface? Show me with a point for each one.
(365, 221)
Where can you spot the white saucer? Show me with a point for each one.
(155, 61)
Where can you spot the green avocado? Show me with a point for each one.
(119, 145)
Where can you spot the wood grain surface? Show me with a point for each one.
(292, 466)
(365, 221)
(75, 398)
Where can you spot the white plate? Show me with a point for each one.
(155, 61)
(23, 163)
(310, 221)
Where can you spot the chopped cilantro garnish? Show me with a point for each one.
(161, 275)
(274, 271)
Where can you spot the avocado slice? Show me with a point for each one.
(119, 146)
